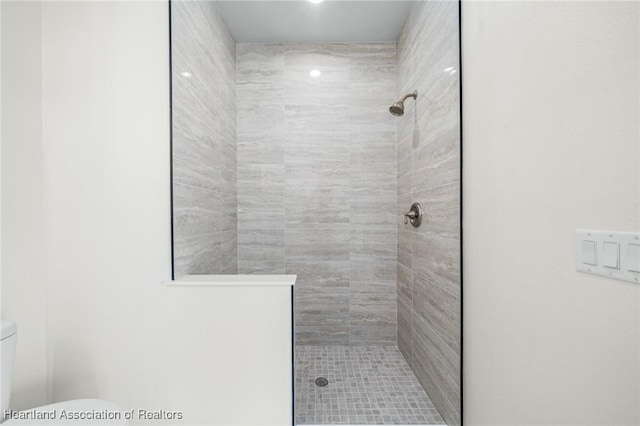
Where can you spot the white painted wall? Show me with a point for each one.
(551, 144)
(23, 264)
(106, 170)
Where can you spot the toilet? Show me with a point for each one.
(75, 412)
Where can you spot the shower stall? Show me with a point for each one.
(337, 161)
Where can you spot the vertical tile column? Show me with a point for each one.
(428, 170)
(372, 244)
(261, 169)
(204, 141)
(317, 189)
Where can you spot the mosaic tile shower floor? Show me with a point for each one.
(371, 385)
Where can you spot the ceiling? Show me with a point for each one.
(303, 21)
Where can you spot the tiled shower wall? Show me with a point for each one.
(429, 173)
(204, 141)
(317, 183)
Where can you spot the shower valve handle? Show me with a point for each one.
(409, 215)
(414, 215)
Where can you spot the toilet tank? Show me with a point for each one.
(7, 357)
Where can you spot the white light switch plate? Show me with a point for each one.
(615, 254)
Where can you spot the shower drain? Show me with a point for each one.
(322, 382)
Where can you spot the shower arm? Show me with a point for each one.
(413, 95)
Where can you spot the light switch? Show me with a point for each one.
(611, 255)
(589, 252)
(633, 257)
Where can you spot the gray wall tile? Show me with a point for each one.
(439, 261)
(322, 308)
(204, 141)
(435, 361)
(364, 270)
(369, 308)
(316, 244)
(372, 335)
(197, 253)
(405, 284)
(405, 329)
(441, 206)
(196, 211)
(260, 245)
(428, 171)
(439, 310)
(374, 212)
(317, 211)
(320, 276)
(373, 243)
(261, 268)
(314, 335)
(317, 159)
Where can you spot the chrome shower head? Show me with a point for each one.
(397, 109)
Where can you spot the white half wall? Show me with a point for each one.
(551, 144)
(23, 238)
